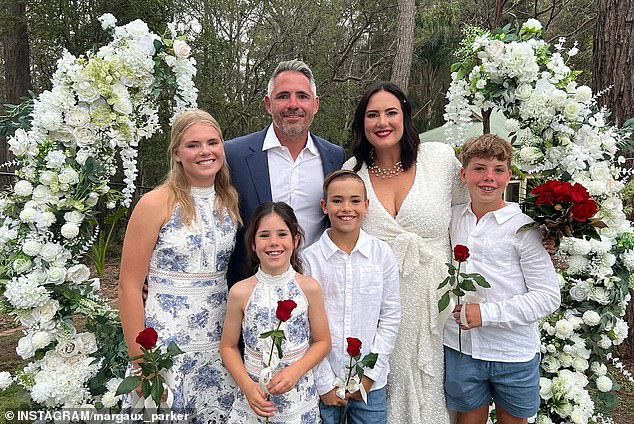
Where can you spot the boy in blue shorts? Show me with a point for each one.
(358, 274)
(500, 338)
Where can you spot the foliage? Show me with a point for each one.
(99, 249)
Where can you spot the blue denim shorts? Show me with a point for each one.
(471, 383)
(358, 412)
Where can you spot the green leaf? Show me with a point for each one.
(443, 302)
(128, 384)
(481, 281)
(444, 283)
(458, 292)
(359, 371)
(452, 268)
(166, 363)
(266, 334)
(157, 390)
(455, 67)
(467, 285)
(146, 388)
(370, 359)
(278, 346)
(173, 349)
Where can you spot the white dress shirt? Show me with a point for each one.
(524, 285)
(361, 293)
(297, 183)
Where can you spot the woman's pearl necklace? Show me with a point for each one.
(392, 171)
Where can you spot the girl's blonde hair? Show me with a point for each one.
(176, 182)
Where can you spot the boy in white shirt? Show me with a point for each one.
(359, 278)
(500, 339)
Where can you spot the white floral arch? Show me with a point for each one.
(100, 106)
(559, 133)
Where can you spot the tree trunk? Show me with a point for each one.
(613, 57)
(16, 53)
(404, 43)
(17, 70)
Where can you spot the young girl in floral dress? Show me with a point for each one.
(273, 238)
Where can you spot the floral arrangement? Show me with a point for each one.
(459, 284)
(153, 365)
(563, 210)
(561, 134)
(101, 105)
(356, 366)
(282, 313)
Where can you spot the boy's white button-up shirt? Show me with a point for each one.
(297, 182)
(524, 285)
(361, 294)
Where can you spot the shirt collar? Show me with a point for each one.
(271, 141)
(329, 248)
(501, 215)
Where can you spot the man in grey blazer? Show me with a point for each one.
(284, 161)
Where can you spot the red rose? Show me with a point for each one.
(584, 210)
(547, 198)
(460, 253)
(578, 193)
(147, 338)
(561, 192)
(354, 346)
(284, 309)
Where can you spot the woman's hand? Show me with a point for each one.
(283, 381)
(258, 401)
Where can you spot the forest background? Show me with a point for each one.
(347, 43)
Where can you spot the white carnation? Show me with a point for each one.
(577, 264)
(583, 94)
(28, 215)
(604, 384)
(55, 159)
(591, 318)
(563, 329)
(45, 312)
(545, 388)
(41, 339)
(532, 25)
(599, 368)
(23, 188)
(109, 399)
(604, 342)
(5, 380)
(627, 258)
(31, 247)
(70, 230)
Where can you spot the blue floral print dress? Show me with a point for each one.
(300, 405)
(187, 302)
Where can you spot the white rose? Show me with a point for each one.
(580, 364)
(182, 49)
(70, 230)
(565, 359)
(78, 273)
(31, 247)
(5, 380)
(68, 176)
(577, 416)
(42, 194)
(55, 159)
(50, 251)
(604, 384)
(23, 188)
(137, 28)
(48, 178)
(591, 318)
(86, 92)
(87, 343)
(46, 312)
(28, 215)
(22, 265)
(40, 340)
(545, 388)
(92, 199)
(583, 94)
(550, 348)
(523, 91)
(530, 154)
(74, 217)
(572, 110)
(550, 364)
(494, 49)
(67, 349)
(544, 419)
(532, 25)
(25, 348)
(84, 136)
(56, 275)
(123, 106)
(559, 98)
(77, 117)
(38, 275)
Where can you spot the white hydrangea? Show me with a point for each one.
(23, 293)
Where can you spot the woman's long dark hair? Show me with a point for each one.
(287, 214)
(361, 147)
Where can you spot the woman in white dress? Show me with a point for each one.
(180, 237)
(411, 187)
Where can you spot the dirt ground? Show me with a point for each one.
(10, 333)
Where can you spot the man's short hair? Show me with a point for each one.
(297, 66)
(486, 146)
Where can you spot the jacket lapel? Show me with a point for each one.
(258, 165)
